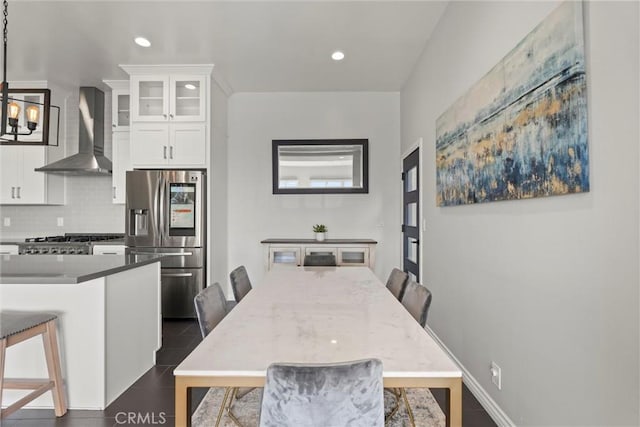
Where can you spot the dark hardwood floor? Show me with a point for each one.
(149, 401)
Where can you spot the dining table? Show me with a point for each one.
(315, 315)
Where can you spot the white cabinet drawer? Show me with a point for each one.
(8, 249)
(108, 250)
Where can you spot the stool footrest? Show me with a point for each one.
(44, 387)
(26, 383)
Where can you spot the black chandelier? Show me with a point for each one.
(33, 102)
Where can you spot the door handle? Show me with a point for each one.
(164, 115)
(171, 151)
(18, 192)
(171, 116)
(114, 191)
(176, 274)
(163, 253)
(164, 154)
(415, 242)
(13, 192)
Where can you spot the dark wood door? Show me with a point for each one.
(411, 215)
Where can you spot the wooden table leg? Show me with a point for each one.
(182, 419)
(454, 418)
(3, 348)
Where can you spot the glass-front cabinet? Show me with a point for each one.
(120, 137)
(170, 125)
(284, 256)
(120, 109)
(348, 252)
(168, 98)
(187, 98)
(150, 98)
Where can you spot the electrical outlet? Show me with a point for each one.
(60, 221)
(7, 222)
(496, 375)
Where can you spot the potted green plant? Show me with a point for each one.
(320, 230)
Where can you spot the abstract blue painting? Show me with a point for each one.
(521, 131)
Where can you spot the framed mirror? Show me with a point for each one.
(320, 166)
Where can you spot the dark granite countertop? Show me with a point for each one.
(324, 242)
(66, 269)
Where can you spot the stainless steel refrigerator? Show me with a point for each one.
(166, 214)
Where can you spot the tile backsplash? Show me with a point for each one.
(88, 208)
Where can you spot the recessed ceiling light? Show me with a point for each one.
(141, 41)
(190, 86)
(337, 56)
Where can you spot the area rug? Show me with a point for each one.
(426, 411)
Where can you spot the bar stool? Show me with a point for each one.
(16, 327)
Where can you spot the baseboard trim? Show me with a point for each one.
(495, 412)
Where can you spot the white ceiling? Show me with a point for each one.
(255, 46)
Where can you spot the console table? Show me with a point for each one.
(348, 252)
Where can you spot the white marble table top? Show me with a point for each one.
(318, 315)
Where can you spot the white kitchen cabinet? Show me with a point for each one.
(120, 109)
(175, 145)
(172, 98)
(109, 249)
(121, 160)
(348, 252)
(7, 249)
(20, 184)
(120, 137)
(169, 115)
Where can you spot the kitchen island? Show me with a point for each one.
(109, 321)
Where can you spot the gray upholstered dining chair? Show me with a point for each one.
(320, 260)
(337, 394)
(240, 283)
(211, 308)
(210, 305)
(396, 282)
(417, 300)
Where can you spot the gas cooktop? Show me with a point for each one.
(76, 237)
(69, 243)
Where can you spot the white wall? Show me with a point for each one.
(255, 213)
(547, 288)
(218, 192)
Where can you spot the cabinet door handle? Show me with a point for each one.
(171, 151)
(164, 155)
(171, 116)
(13, 192)
(114, 191)
(18, 192)
(113, 125)
(164, 115)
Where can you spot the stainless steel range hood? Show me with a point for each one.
(90, 159)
